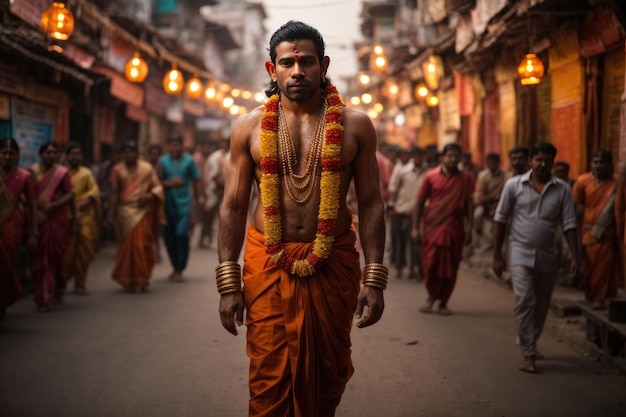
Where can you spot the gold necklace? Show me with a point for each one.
(295, 183)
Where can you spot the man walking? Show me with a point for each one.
(301, 271)
(178, 174)
(489, 186)
(213, 174)
(403, 195)
(444, 226)
(82, 246)
(594, 194)
(534, 204)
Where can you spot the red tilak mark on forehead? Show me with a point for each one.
(295, 51)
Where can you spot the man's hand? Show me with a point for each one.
(498, 265)
(76, 225)
(231, 311)
(468, 238)
(176, 182)
(49, 207)
(373, 299)
(416, 235)
(574, 270)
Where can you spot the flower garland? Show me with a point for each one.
(329, 186)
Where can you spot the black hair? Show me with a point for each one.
(44, 146)
(9, 143)
(563, 164)
(130, 144)
(493, 156)
(155, 146)
(416, 150)
(520, 149)
(451, 147)
(292, 31)
(72, 145)
(175, 138)
(606, 156)
(543, 147)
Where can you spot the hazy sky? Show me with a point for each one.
(337, 20)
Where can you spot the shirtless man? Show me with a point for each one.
(301, 269)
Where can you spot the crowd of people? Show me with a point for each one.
(541, 225)
(57, 213)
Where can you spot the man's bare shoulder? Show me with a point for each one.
(357, 125)
(249, 121)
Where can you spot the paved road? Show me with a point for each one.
(165, 354)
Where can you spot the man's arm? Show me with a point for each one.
(371, 213)
(469, 220)
(234, 211)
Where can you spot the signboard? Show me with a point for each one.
(157, 100)
(612, 90)
(104, 125)
(33, 124)
(43, 94)
(508, 119)
(11, 83)
(5, 107)
(30, 10)
(121, 88)
(567, 84)
(566, 135)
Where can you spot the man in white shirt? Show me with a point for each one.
(403, 189)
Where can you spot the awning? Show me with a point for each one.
(121, 88)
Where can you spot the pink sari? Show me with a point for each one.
(13, 186)
(54, 233)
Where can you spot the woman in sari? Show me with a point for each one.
(16, 187)
(54, 196)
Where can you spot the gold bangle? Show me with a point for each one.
(222, 277)
(375, 275)
(228, 277)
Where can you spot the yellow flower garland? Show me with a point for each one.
(329, 186)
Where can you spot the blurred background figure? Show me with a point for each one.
(56, 214)
(594, 195)
(18, 209)
(84, 234)
(214, 189)
(103, 180)
(180, 178)
(489, 186)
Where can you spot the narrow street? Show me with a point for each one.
(165, 354)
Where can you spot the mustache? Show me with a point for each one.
(300, 83)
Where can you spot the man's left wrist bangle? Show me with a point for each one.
(375, 275)
(228, 277)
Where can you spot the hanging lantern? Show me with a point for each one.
(432, 101)
(530, 70)
(136, 69)
(421, 91)
(433, 71)
(378, 59)
(194, 88)
(173, 82)
(58, 22)
(210, 94)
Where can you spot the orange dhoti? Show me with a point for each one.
(298, 329)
